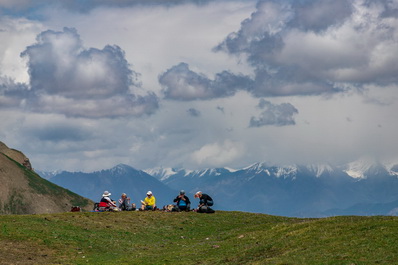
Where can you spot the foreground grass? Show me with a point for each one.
(192, 238)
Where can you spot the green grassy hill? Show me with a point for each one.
(192, 238)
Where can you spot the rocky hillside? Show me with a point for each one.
(22, 191)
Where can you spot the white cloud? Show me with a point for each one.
(218, 154)
(278, 115)
(342, 58)
(294, 57)
(157, 37)
(16, 35)
(66, 78)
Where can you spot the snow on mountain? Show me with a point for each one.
(256, 167)
(161, 173)
(120, 169)
(365, 167)
(358, 168)
(392, 168)
(48, 174)
(292, 190)
(287, 171)
(319, 169)
(231, 169)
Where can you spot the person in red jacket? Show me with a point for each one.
(106, 201)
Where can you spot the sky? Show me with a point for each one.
(87, 85)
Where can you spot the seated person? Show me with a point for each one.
(183, 202)
(149, 203)
(124, 203)
(205, 201)
(106, 202)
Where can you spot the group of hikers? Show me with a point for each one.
(182, 203)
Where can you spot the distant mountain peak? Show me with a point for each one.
(161, 173)
(320, 169)
(121, 168)
(256, 167)
(363, 167)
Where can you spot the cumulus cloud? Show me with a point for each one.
(277, 115)
(318, 47)
(181, 83)
(66, 78)
(218, 154)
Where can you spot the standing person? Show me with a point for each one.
(205, 201)
(149, 203)
(183, 202)
(106, 202)
(124, 203)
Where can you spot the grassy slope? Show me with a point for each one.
(191, 238)
(17, 203)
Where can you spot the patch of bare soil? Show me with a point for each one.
(25, 253)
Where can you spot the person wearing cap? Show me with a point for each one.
(149, 203)
(183, 202)
(106, 201)
(205, 201)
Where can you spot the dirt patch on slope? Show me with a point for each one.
(24, 253)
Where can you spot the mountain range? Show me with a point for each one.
(363, 187)
(117, 180)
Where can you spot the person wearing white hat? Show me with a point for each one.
(106, 201)
(149, 203)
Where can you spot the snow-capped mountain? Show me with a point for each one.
(368, 167)
(161, 173)
(320, 169)
(48, 174)
(292, 190)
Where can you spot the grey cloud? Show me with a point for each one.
(317, 47)
(181, 83)
(113, 107)
(27, 8)
(58, 65)
(276, 115)
(68, 79)
(58, 132)
(321, 14)
(12, 93)
(260, 33)
(280, 83)
(193, 112)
